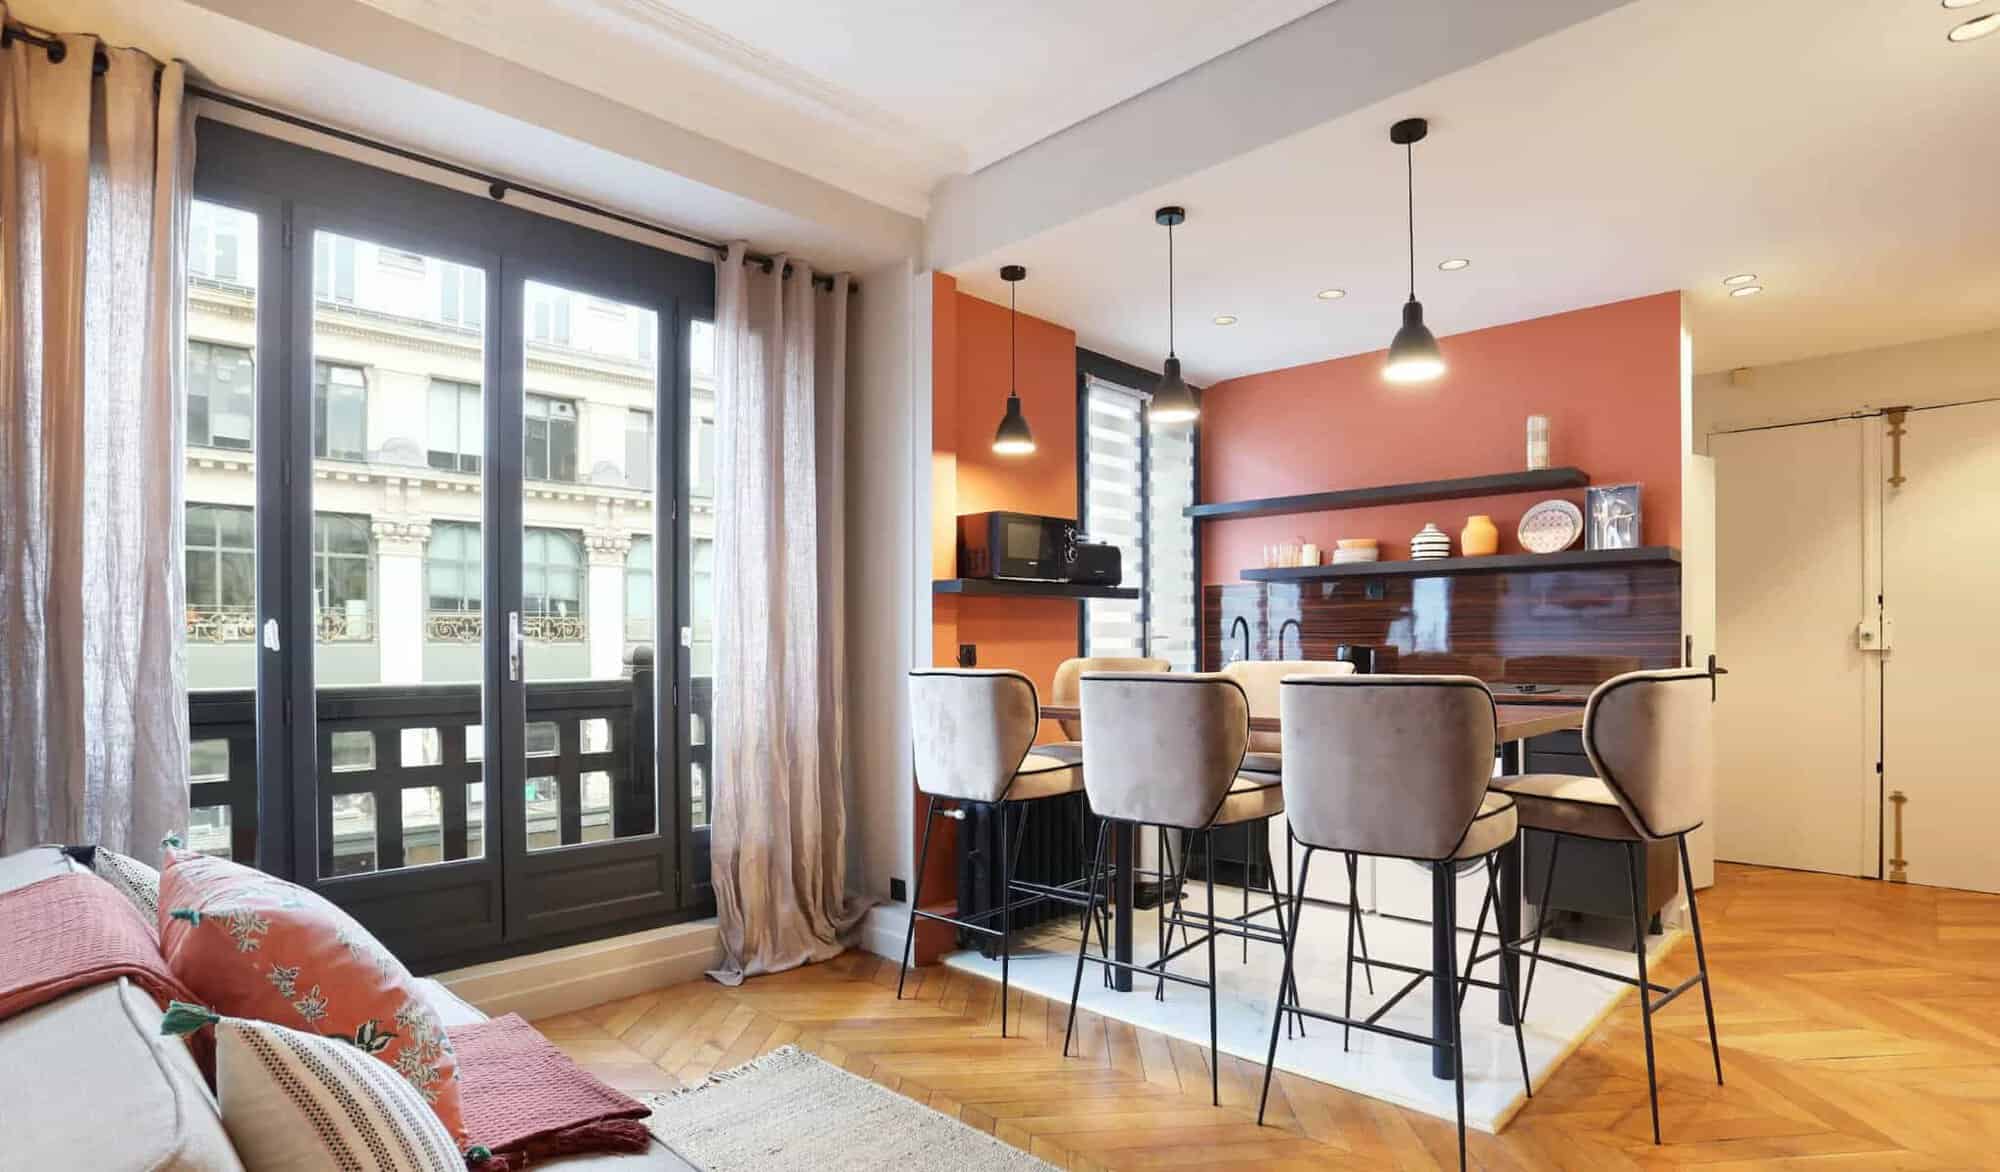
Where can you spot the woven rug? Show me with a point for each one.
(790, 1109)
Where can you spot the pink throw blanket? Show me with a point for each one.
(525, 1100)
(69, 932)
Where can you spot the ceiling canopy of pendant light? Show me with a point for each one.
(1173, 400)
(1414, 356)
(1012, 437)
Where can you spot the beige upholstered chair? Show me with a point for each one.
(1260, 679)
(1648, 736)
(1064, 689)
(973, 734)
(1396, 766)
(1165, 751)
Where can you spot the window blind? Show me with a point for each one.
(1138, 476)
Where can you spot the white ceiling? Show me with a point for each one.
(1845, 152)
(884, 98)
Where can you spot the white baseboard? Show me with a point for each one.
(883, 928)
(564, 980)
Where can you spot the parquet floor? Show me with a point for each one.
(1860, 1026)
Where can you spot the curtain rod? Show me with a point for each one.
(496, 186)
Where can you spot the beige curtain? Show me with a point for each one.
(94, 179)
(779, 829)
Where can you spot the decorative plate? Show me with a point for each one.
(1550, 527)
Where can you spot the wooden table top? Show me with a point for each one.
(1517, 722)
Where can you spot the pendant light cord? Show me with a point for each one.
(1410, 206)
(1170, 290)
(1013, 356)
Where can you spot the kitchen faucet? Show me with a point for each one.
(1241, 622)
(1282, 627)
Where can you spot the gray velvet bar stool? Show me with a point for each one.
(973, 733)
(1064, 689)
(1164, 751)
(1396, 767)
(1260, 679)
(1648, 736)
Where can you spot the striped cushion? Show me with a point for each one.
(297, 1102)
(133, 879)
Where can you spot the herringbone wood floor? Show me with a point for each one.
(1860, 1028)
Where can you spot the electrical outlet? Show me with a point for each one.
(897, 891)
(968, 655)
(1377, 590)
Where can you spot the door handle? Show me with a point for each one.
(514, 645)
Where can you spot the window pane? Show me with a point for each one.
(589, 418)
(699, 534)
(220, 532)
(1112, 512)
(395, 548)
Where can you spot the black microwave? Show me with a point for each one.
(1016, 545)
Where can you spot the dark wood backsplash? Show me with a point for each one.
(1542, 626)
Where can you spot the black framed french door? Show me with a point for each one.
(470, 568)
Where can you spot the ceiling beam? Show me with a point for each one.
(1326, 64)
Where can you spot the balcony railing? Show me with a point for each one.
(238, 624)
(401, 768)
(469, 626)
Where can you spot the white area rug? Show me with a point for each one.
(791, 1109)
(1566, 1005)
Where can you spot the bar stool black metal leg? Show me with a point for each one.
(1541, 921)
(1287, 981)
(1478, 931)
(1288, 987)
(1249, 849)
(1448, 882)
(1507, 974)
(1634, 870)
(916, 893)
(1353, 922)
(1354, 913)
(1214, 1045)
(1165, 866)
(1700, 957)
(1180, 917)
(1006, 913)
(1083, 947)
(1290, 877)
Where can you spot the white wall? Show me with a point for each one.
(883, 541)
(1920, 374)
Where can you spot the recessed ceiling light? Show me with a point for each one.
(1739, 279)
(1977, 27)
(1225, 319)
(1331, 294)
(1454, 264)
(1961, 3)
(1746, 290)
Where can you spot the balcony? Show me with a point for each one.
(401, 780)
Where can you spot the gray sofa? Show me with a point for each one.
(86, 1081)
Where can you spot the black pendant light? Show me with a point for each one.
(1013, 437)
(1414, 356)
(1173, 402)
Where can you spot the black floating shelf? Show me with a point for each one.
(1540, 480)
(1017, 588)
(1504, 563)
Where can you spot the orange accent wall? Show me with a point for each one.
(969, 382)
(1607, 377)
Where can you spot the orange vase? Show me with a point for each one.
(1479, 538)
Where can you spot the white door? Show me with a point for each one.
(1941, 701)
(1797, 717)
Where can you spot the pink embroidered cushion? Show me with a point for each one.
(251, 946)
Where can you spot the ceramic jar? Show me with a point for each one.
(1479, 538)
